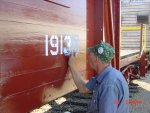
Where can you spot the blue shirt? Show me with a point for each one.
(110, 92)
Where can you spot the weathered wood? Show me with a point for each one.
(28, 78)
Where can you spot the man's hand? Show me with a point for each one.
(76, 75)
(72, 59)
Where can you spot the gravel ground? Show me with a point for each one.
(143, 95)
(77, 103)
(74, 102)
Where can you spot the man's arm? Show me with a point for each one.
(80, 83)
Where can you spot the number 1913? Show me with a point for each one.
(61, 44)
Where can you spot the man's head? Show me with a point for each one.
(101, 53)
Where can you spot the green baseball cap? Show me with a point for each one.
(104, 51)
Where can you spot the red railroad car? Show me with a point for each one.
(34, 38)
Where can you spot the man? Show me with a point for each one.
(109, 87)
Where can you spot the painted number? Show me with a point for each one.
(54, 44)
(66, 49)
(61, 44)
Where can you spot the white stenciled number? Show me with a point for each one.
(67, 40)
(61, 45)
(46, 45)
(54, 44)
(75, 43)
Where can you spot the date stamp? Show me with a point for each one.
(129, 102)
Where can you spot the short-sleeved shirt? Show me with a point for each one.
(110, 92)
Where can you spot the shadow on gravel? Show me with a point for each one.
(140, 97)
(75, 103)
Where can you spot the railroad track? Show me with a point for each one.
(76, 102)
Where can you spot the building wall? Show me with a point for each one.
(130, 33)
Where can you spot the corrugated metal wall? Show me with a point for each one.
(130, 33)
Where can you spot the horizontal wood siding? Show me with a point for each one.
(129, 11)
(28, 78)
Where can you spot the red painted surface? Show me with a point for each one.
(94, 27)
(143, 64)
(24, 76)
(143, 58)
(103, 17)
(130, 73)
(109, 27)
(90, 33)
(28, 78)
(116, 25)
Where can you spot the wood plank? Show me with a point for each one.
(26, 74)
(13, 29)
(29, 14)
(22, 102)
(128, 52)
